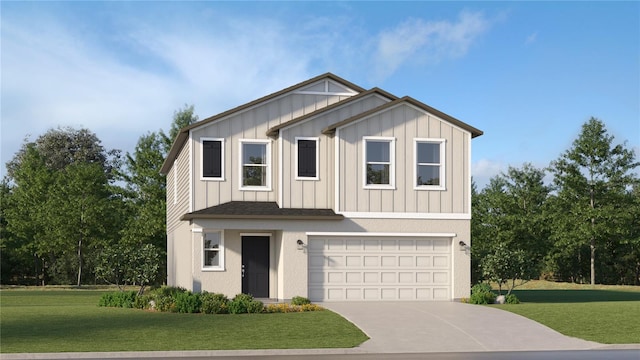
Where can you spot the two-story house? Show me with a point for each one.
(324, 190)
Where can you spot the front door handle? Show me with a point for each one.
(242, 270)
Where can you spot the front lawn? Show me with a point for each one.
(70, 321)
(604, 314)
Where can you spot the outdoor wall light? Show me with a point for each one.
(463, 245)
(300, 244)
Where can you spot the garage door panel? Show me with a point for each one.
(423, 261)
(354, 244)
(316, 261)
(406, 245)
(406, 261)
(335, 244)
(441, 261)
(379, 269)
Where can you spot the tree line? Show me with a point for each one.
(583, 226)
(73, 212)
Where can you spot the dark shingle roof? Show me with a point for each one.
(260, 210)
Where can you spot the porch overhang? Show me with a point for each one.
(252, 210)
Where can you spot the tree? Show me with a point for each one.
(80, 196)
(181, 118)
(591, 180)
(59, 185)
(505, 265)
(145, 189)
(509, 232)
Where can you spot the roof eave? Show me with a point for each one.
(261, 217)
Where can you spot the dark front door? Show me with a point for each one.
(255, 266)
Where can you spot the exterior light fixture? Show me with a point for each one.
(463, 245)
(300, 244)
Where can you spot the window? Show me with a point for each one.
(255, 171)
(175, 182)
(212, 159)
(429, 157)
(307, 152)
(212, 251)
(379, 167)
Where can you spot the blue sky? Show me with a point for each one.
(528, 74)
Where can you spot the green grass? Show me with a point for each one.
(70, 320)
(604, 314)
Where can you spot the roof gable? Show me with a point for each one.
(328, 81)
(273, 132)
(404, 100)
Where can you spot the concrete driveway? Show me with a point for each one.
(396, 327)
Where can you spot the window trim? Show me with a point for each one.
(175, 182)
(267, 186)
(221, 251)
(297, 154)
(392, 162)
(222, 155)
(442, 164)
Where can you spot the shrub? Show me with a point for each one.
(287, 308)
(165, 298)
(123, 299)
(255, 307)
(481, 288)
(482, 294)
(142, 302)
(188, 302)
(512, 299)
(214, 303)
(245, 303)
(299, 300)
(311, 307)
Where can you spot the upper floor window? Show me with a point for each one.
(430, 160)
(255, 171)
(379, 162)
(213, 250)
(212, 159)
(307, 158)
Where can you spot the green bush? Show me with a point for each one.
(214, 303)
(482, 294)
(123, 299)
(188, 302)
(481, 288)
(142, 302)
(299, 300)
(255, 307)
(165, 298)
(245, 303)
(512, 299)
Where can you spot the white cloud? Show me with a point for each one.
(484, 169)
(125, 78)
(53, 76)
(431, 41)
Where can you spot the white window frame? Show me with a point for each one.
(267, 186)
(392, 162)
(222, 155)
(442, 164)
(317, 140)
(221, 251)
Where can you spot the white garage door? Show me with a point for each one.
(372, 268)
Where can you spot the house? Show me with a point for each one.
(324, 190)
